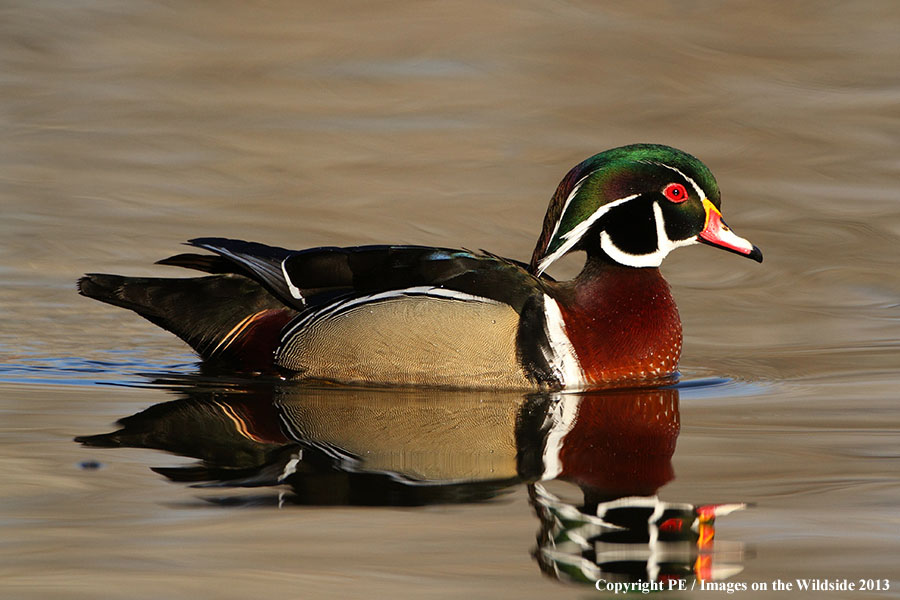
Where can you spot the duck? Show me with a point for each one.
(404, 315)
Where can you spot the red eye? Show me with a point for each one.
(675, 192)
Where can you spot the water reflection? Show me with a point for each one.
(616, 448)
(283, 444)
(631, 539)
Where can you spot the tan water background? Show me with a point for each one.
(129, 127)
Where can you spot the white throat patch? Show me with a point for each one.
(663, 245)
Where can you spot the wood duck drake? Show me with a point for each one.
(414, 315)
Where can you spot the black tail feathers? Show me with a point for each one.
(212, 314)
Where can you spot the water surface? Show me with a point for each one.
(130, 127)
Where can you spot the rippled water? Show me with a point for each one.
(130, 127)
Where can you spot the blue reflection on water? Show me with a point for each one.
(76, 370)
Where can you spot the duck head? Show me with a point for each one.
(634, 205)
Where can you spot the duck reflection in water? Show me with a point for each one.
(616, 447)
(413, 447)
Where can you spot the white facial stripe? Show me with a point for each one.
(663, 245)
(663, 241)
(562, 359)
(700, 193)
(568, 201)
(293, 289)
(575, 234)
